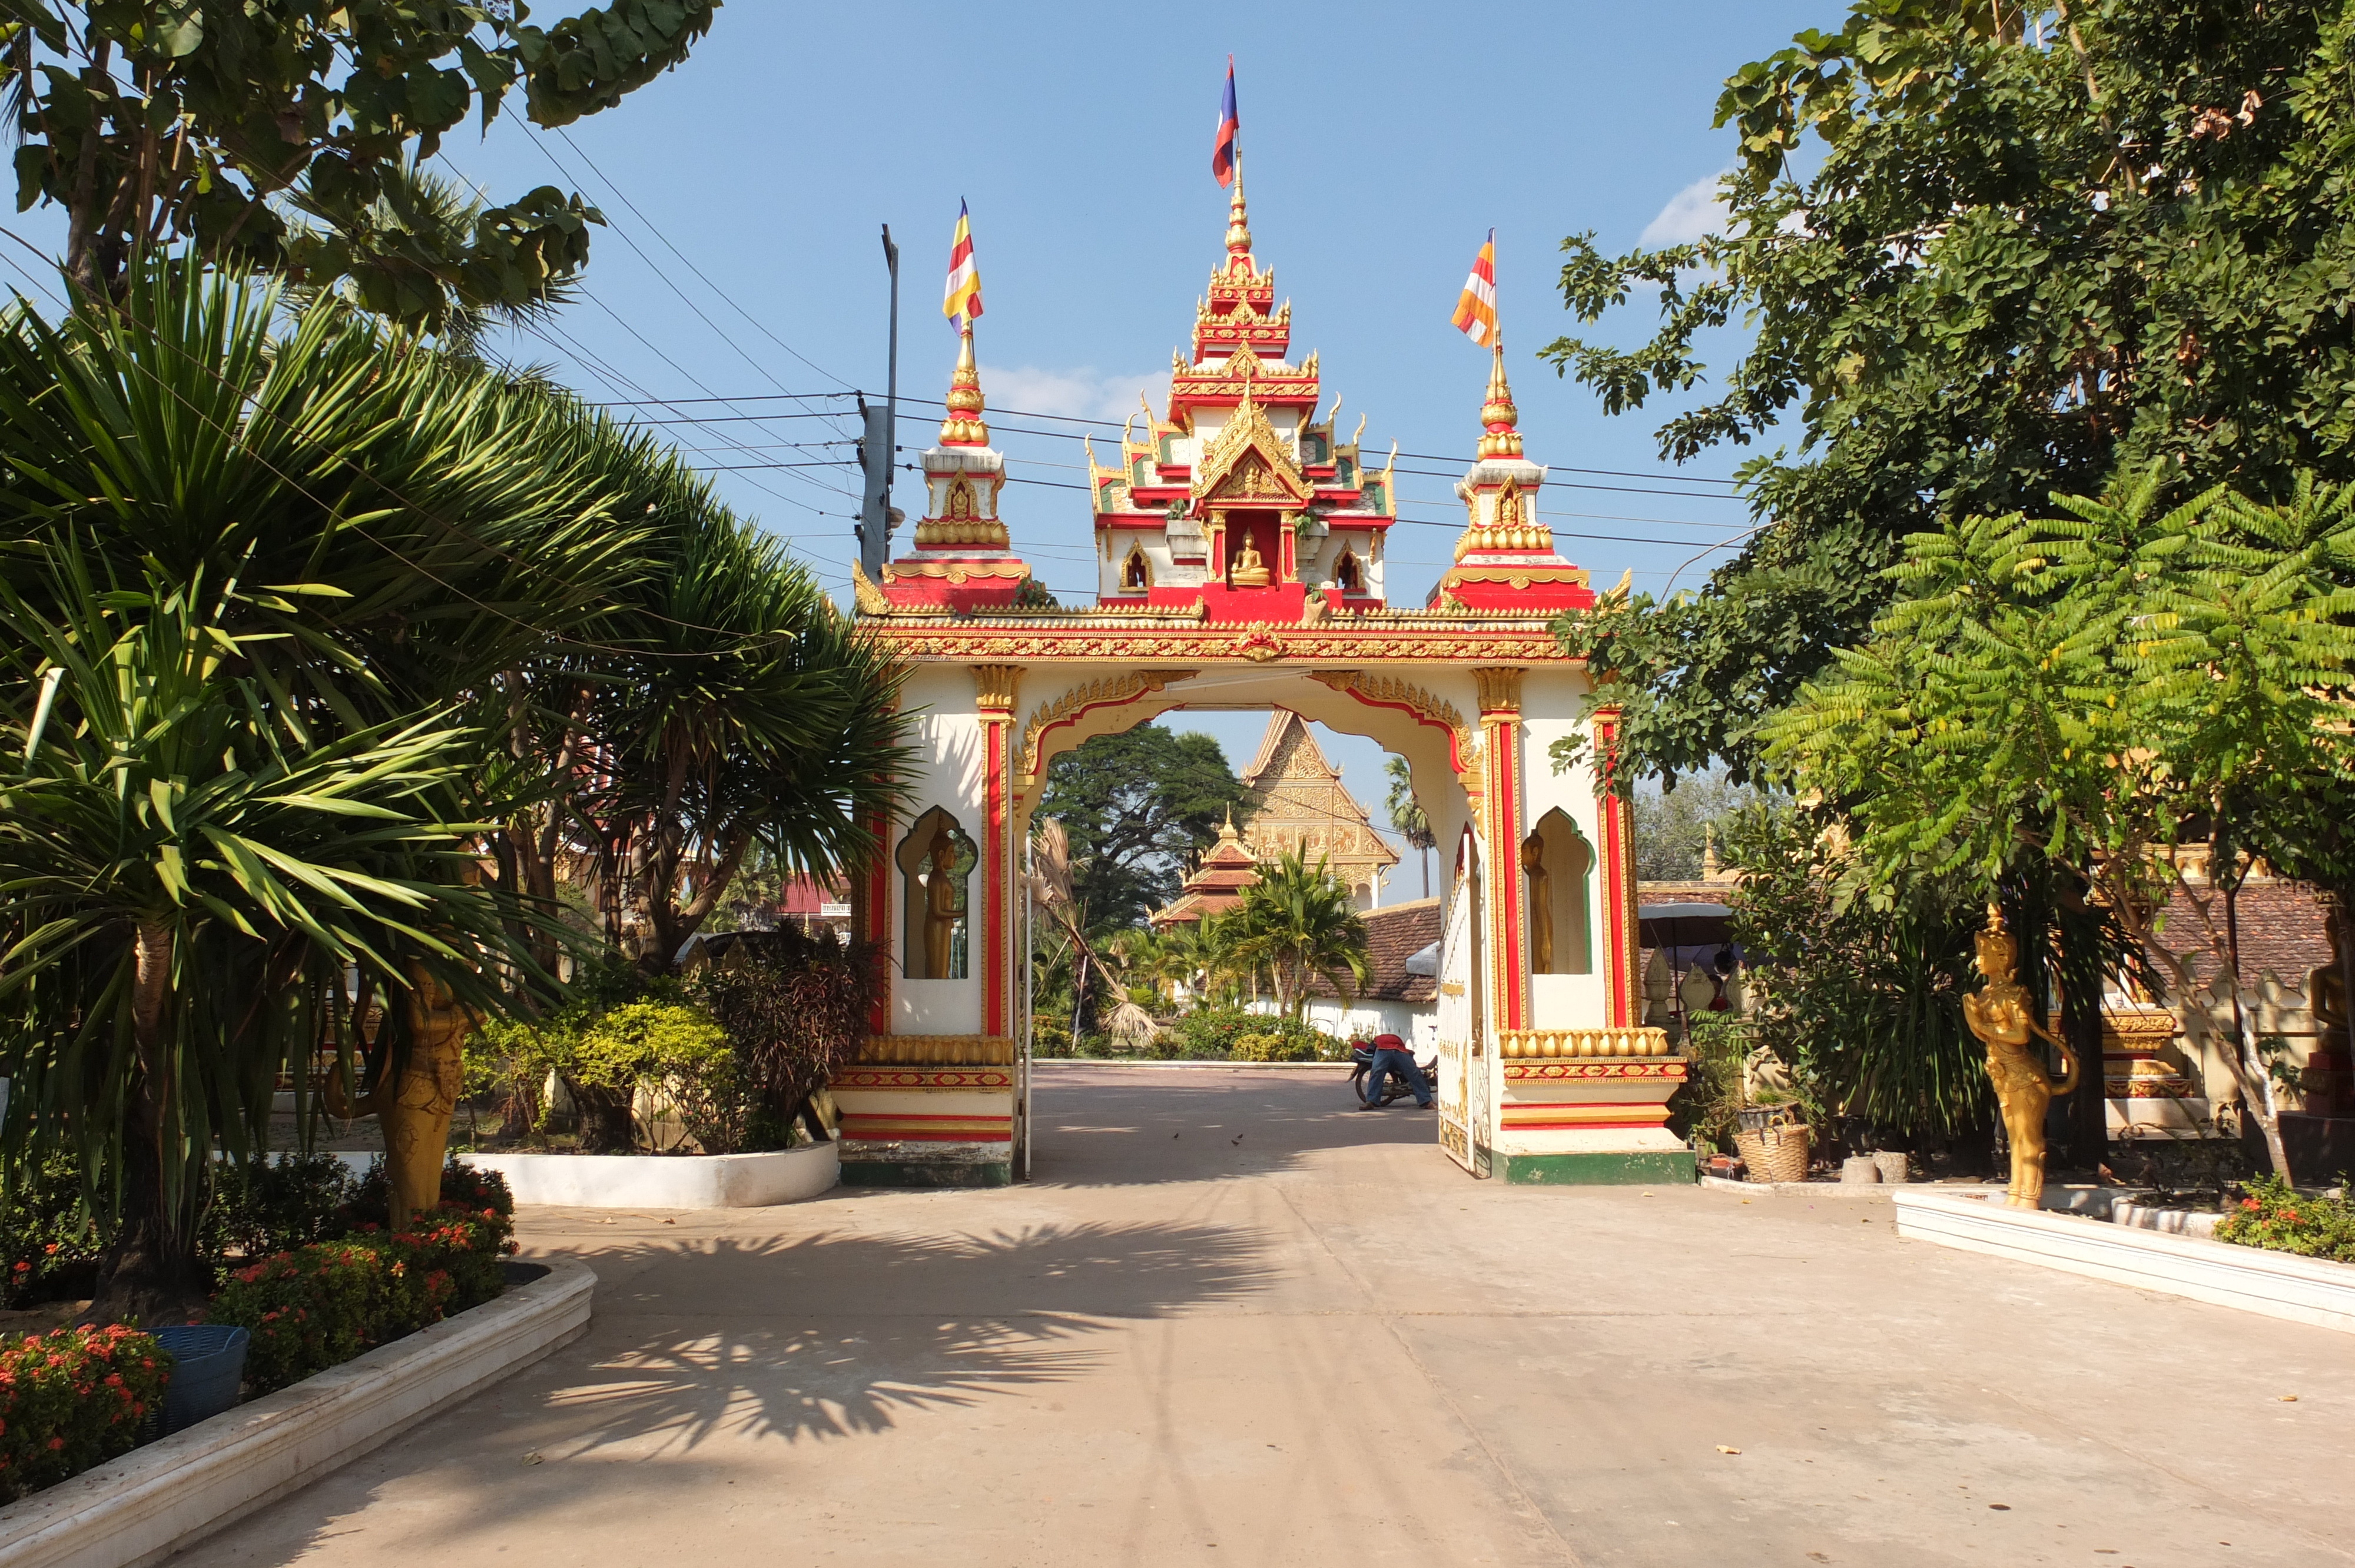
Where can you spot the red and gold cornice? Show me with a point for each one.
(964, 642)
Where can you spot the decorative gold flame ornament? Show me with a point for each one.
(2001, 1016)
(963, 426)
(1497, 415)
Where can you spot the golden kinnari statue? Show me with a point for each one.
(2003, 1017)
(416, 1106)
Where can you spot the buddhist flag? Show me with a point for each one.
(1475, 313)
(964, 296)
(1222, 149)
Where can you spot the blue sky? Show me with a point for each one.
(1381, 141)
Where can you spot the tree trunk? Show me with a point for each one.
(606, 1124)
(151, 1274)
(2265, 1108)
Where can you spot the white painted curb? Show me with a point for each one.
(2251, 1279)
(667, 1181)
(157, 1499)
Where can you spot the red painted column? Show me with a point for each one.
(1500, 721)
(876, 925)
(1618, 832)
(995, 687)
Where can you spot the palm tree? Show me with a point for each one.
(1296, 923)
(1407, 814)
(185, 877)
(279, 576)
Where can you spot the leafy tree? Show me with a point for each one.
(1863, 1005)
(1673, 826)
(1137, 805)
(1407, 814)
(1296, 923)
(2036, 250)
(2098, 693)
(151, 122)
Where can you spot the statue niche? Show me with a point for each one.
(1348, 576)
(1135, 572)
(936, 860)
(1558, 865)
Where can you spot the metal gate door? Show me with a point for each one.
(1464, 1065)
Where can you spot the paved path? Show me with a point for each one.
(1231, 1323)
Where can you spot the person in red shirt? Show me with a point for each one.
(1390, 1055)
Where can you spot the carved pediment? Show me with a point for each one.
(1248, 460)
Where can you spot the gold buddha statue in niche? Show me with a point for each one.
(1250, 570)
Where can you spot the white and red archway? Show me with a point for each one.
(1240, 548)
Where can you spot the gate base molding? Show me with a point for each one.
(1636, 1167)
(927, 1172)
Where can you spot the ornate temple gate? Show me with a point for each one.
(1240, 547)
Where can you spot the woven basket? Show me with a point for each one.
(1775, 1154)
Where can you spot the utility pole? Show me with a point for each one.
(878, 444)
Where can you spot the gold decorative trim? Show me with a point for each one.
(1249, 432)
(936, 1050)
(949, 1080)
(1389, 690)
(995, 687)
(870, 598)
(1110, 691)
(941, 636)
(956, 571)
(1500, 689)
(1673, 1068)
(1582, 1044)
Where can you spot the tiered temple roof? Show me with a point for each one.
(1236, 503)
(1218, 883)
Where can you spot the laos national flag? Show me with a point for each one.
(1222, 151)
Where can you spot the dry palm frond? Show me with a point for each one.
(1051, 864)
(1131, 1025)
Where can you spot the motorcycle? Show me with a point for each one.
(1394, 1087)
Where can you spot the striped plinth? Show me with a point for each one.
(898, 1126)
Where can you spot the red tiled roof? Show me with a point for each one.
(1393, 936)
(2283, 933)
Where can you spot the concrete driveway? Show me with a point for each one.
(1232, 1323)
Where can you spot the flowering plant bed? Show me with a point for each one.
(73, 1398)
(2279, 1218)
(157, 1498)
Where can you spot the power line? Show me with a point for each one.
(298, 487)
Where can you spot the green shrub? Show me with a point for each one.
(1233, 1034)
(48, 1242)
(1274, 1048)
(72, 1399)
(271, 1204)
(319, 1306)
(461, 1184)
(2278, 1217)
(604, 1053)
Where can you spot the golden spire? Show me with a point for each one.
(963, 426)
(1497, 415)
(1238, 220)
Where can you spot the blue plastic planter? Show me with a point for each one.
(209, 1363)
